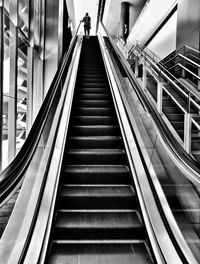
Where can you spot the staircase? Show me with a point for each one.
(97, 218)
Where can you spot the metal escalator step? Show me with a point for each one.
(94, 89)
(93, 111)
(93, 103)
(97, 197)
(94, 120)
(108, 142)
(93, 96)
(95, 156)
(95, 174)
(98, 225)
(98, 130)
(99, 253)
(91, 79)
(92, 75)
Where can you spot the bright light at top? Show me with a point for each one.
(86, 6)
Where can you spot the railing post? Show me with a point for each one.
(183, 70)
(136, 67)
(198, 86)
(144, 83)
(187, 128)
(187, 132)
(159, 96)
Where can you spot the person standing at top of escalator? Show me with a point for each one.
(125, 32)
(87, 25)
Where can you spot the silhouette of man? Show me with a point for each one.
(87, 25)
(125, 32)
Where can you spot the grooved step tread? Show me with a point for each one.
(95, 156)
(109, 142)
(94, 130)
(99, 254)
(94, 120)
(93, 89)
(95, 174)
(92, 96)
(94, 103)
(97, 220)
(93, 111)
(100, 191)
(97, 197)
(109, 169)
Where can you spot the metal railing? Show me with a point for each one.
(162, 76)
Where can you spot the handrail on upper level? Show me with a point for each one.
(165, 73)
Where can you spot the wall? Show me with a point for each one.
(188, 26)
(150, 18)
(164, 41)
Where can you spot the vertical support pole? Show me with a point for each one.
(12, 104)
(29, 103)
(144, 83)
(187, 132)
(1, 78)
(159, 96)
(136, 67)
(183, 70)
(198, 86)
(30, 69)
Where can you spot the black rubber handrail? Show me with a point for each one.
(13, 174)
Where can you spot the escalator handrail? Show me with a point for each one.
(190, 166)
(13, 174)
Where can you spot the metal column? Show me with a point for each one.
(1, 78)
(124, 18)
(12, 104)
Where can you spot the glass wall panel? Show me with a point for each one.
(24, 16)
(21, 90)
(6, 83)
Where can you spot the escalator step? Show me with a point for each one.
(98, 225)
(109, 142)
(93, 111)
(93, 103)
(97, 79)
(97, 197)
(99, 253)
(93, 96)
(94, 89)
(94, 120)
(95, 156)
(95, 174)
(98, 130)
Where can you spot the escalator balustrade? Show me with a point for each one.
(97, 219)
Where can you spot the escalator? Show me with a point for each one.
(97, 217)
